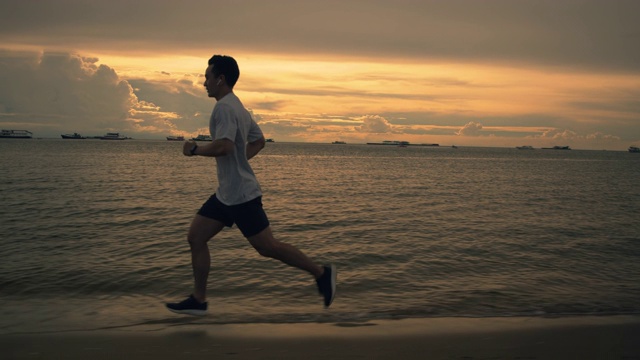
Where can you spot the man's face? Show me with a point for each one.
(211, 83)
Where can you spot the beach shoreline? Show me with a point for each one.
(579, 337)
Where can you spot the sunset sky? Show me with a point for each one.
(463, 72)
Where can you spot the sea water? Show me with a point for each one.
(93, 234)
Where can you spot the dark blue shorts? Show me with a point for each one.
(249, 217)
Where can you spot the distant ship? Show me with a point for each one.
(113, 136)
(391, 142)
(72, 136)
(16, 134)
(175, 138)
(524, 147)
(202, 138)
(400, 143)
(270, 140)
(339, 142)
(634, 149)
(558, 148)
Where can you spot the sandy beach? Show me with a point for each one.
(586, 337)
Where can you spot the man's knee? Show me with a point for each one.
(266, 249)
(266, 245)
(196, 241)
(202, 230)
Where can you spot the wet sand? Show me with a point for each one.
(586, 337)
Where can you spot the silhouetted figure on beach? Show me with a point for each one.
(238, 199)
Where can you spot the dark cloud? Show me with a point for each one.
(182, 97)
(53, 93)
(284, 128)
(631, 106)
(55, 89)
(270, 105)
(572, 33)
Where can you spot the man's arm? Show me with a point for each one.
(253, 148)
(220, 147)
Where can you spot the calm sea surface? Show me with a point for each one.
(94, 233)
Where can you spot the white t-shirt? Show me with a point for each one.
(237, 183)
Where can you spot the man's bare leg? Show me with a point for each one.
(267, 245)
(201, 231)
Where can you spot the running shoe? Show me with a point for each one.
(327, 284)
(189, 306)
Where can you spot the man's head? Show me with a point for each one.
(225, 68)
(221, 76)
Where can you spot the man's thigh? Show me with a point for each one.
(202, 229)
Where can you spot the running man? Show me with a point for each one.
(238, 199)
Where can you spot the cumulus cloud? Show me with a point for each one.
(472, 128)
(601, 136)
(62, 86)
(568, 135)
(374, 124)
(559, 134)
(284, 129)
(53, 93)
(183, 101)
(254, 116)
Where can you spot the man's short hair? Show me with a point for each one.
(227, 66)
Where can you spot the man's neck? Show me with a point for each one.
(223, 94)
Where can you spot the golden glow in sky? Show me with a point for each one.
(330, 99)
(532, 73)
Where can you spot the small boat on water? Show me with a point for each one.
(339, 142)
(391, 142)
(524, 147)
(16, 134)
(72, 136)
(558, 148)
(634, 149)
(400, 143)
(270, 140)
(175, 138)
(386, 142)
(202, 138)
(113, 136)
